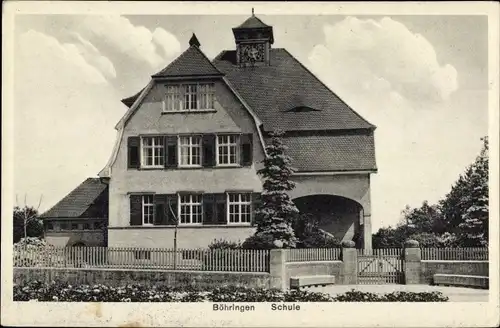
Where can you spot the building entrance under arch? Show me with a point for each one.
(338, 216)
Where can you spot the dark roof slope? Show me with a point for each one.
(252, 22)
(89, 199)
(331, 152)
(271, 90)
(191, 62)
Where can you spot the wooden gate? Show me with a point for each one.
(380, 266)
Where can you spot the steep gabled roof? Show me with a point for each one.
(89, 199)
(191, 62)
(271, 90)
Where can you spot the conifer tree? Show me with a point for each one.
(276, 211)
(475, 201)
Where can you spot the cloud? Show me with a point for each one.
(383, 55)
(68, 86)
(38, 49)
(137, 42)
(64, 113)
(93, 56)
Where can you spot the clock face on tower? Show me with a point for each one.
(252, 52)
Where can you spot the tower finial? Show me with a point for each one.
(194, 41)
(253, 12)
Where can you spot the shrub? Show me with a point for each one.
(309, 235)
(32, 252)
(224, 244)
(258, 242)
(64, 292)
(318, 239)
(426, 239)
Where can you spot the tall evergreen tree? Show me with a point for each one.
(475, 202)
(276, 211)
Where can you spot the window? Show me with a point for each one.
(190, 209)
(227, 150)
(142, 255)
(50, 226)
(239, 208)
(190, 151)
(148, 209)
(172, 102)
(206, 96)
(86, 226)
(189, 97)
(74, 226)
(64, 225)
(152, 151)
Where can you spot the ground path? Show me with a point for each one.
(455, 294)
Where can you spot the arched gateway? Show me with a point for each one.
(336, 215)
(341, 201)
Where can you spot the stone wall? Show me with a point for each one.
(120, 277)
(471, 268)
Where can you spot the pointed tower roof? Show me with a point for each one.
(253, 22)
(191, 62)
(253, 28)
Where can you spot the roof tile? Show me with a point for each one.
(89, 199)
(191, 62)
(331, 152)
(271, 90)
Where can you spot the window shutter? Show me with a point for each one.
(256, 201)
(135, 210)
(220, 209)
(170, 151)
(208, 150)
(209, 209)
(160, 210)
(246, 145)
(171, 201)
(134, 158)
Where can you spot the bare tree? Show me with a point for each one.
(27, 213)
(176, 219)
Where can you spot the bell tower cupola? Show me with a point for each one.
(253, 42)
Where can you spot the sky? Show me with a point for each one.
(422, 80)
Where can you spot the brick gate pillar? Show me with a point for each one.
(412, 259)
(277, 268)
(367, 231)
(349, 257)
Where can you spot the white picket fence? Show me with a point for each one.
(312, 254)
(235, 260)
(455, 254)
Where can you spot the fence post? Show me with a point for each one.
(349, 257)
(277, 268)
(412, 260)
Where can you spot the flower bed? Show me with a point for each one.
(63, 292)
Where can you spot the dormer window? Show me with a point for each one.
(302, 109)
(189, 97)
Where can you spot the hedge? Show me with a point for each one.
(63, 292)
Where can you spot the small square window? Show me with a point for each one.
(50, 226)
(64, 225)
